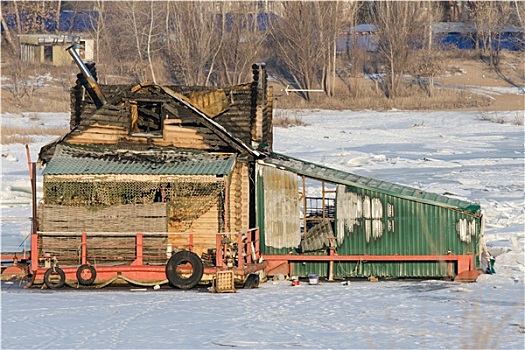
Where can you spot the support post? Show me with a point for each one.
(250, 253)
(257, 243)
(84, 248)
(304, 204)
(240, 246)
(34, 252)
(139, 250)
(331, 266)
(219, 250)
(226, 206)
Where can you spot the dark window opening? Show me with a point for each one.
(48, 54)
(147, 118)
(317, 202)
(318, 209)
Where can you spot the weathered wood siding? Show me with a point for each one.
(184, 212)
(240, 197)
(244, 110)
(204, 230)
(121, 218)
(262, 104)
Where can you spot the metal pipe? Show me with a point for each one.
(94, 90)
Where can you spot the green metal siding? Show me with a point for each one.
(423, 224)
(419, 229)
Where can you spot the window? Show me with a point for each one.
(48, 54)
(147, 118)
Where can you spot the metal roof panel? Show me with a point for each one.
(75, 161)
(341, 177)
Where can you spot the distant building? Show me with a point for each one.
(51, 48)
(362, 36)
(463, 36)
(458, 35)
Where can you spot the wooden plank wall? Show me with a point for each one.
(184, 129)
(99, 134)
(204, 231)
(237, 118)
(119, 218)
(240, 197)
(268, 125)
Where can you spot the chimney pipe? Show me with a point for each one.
(93, 89)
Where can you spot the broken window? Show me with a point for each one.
(317, 202)
(318, 212)
(147, 118)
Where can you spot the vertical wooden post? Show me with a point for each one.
(34, 219)
(250, 254)
(226, 206)
(219, 250)
(257, 243)
(323, 203)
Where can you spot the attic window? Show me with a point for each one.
(147, 118)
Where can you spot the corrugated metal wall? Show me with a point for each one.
(278, 209)
(367, 222)
(374, 223)
(382, 224)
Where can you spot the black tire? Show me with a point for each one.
(252, 281)
(86, 275)
(181, 258)
(50, 278)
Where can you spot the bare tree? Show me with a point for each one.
(298, 43)
(9, 39)
(97, 24)
(400, 25)
(241, 36)
(57, 16)
(140, 22)
(27, 17)
(193, 41)
(332, 18)
(490, 17)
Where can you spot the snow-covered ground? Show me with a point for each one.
(454, 153)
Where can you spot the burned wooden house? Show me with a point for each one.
(148, 172)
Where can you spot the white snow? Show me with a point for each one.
(452, 153)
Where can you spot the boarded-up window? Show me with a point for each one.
(281, 208)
